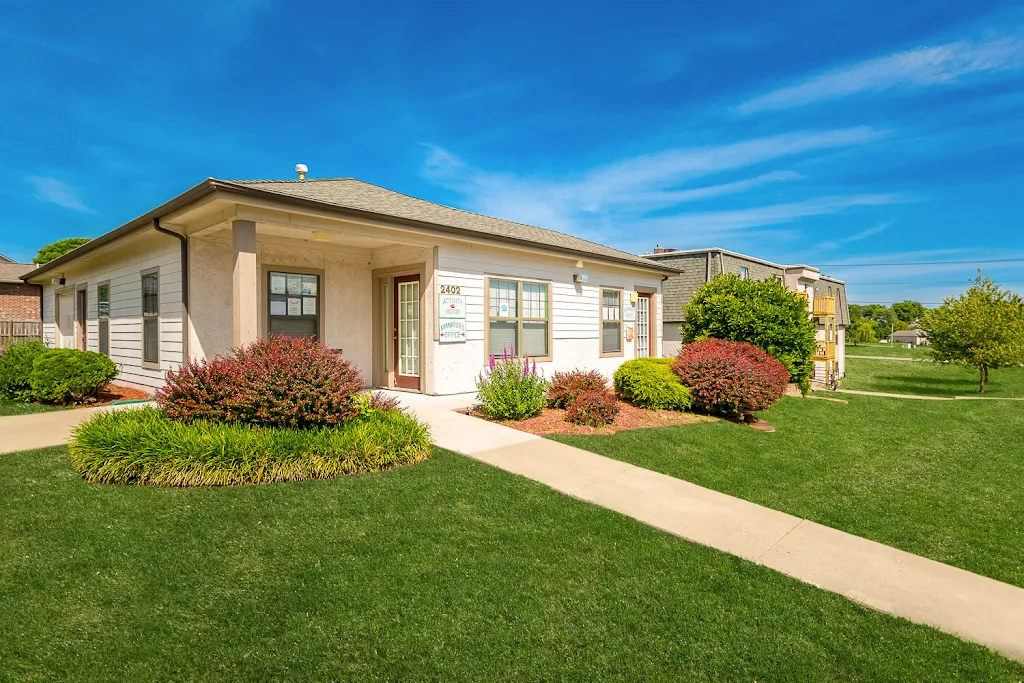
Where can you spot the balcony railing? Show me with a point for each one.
(824, 306)
(824, 350)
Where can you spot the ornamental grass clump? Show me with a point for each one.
(511, 389)
(145, 447)
(730, 378)
(650, 383)
(278, 381)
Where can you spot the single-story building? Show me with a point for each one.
(826, 297)
(20, 303)
(913, 336)
(416, 294)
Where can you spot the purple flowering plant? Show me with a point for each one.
(510, 388)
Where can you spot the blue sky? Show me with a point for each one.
(826, 133)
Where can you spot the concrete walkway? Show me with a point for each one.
(956, 601)
(930, 398)
(39, 430)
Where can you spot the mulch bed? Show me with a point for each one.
(118, 393)
(552, 421)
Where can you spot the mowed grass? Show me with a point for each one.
(446, 570)
(22, 408)
(930, 379)
(943, 479)
(888, 350)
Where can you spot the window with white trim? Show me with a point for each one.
(611, 321)
(518, 318)
(151, 318)
(744, 273)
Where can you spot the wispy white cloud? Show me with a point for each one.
(856, 237)
(56, 191)
(916, 68)
(631, 188)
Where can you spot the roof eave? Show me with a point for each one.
(187, 197)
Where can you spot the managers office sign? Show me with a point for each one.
(451, 315)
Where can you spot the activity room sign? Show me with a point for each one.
(451, 314)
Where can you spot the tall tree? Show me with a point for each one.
(58, 248)
(909, 311)
(982, 328)
(861, 331)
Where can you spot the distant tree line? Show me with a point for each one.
(871, 322)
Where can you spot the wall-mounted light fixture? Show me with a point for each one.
(580, 277)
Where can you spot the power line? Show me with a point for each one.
(868, 303)
(919, 263)
(958, 282)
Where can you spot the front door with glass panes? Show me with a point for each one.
(406, 332)
(294, 308)
(643, 326)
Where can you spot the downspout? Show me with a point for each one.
(185, 357)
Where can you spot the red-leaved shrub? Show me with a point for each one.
(730, 378)
(566, 386)
(277, 381)
(593, 409)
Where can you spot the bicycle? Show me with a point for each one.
(832, 381)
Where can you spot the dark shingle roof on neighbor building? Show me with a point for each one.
(357, 198)
(350, 193)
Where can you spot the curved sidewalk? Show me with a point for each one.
(39, 430)
(971, 606)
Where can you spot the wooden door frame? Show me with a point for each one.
(404, 381)
(81, 319)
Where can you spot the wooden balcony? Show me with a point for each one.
(824, 306)
(824, 350)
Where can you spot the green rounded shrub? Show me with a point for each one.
(70, 375)
(145, 447)
(16, 369)
(650, 383)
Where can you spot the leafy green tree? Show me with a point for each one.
(58, 249)
(909, 311)
(762, 312)
(982, 328)
(882, 317)
(861, 331)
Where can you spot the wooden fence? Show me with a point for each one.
(13, 331)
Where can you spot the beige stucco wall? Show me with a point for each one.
(345, 299)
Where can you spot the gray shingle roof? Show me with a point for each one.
(349, 193)
(12, 272)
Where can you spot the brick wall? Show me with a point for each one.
(19, 302)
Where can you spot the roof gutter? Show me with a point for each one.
(184, 285)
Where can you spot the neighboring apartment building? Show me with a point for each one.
(18, 299)
(826, 297)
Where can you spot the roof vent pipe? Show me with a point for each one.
(302, 170)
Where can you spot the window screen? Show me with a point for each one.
(611, 321)
(294, 304)
(151, 318)
(518, 318)
(103, 317)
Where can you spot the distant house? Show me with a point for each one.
(826, 297)
(20, 302)
(913, 336)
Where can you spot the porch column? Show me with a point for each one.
(245, 283)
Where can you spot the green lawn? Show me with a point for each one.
(22, 408)
(936, 478)
(895, 350)
(447, 570)
(929, 379)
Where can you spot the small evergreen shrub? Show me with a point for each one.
(731, 378)
(650, 383)
(566, 386)
(593, 409)
(16, 369)
(276, 381)
(70, 375)
(511, 389)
